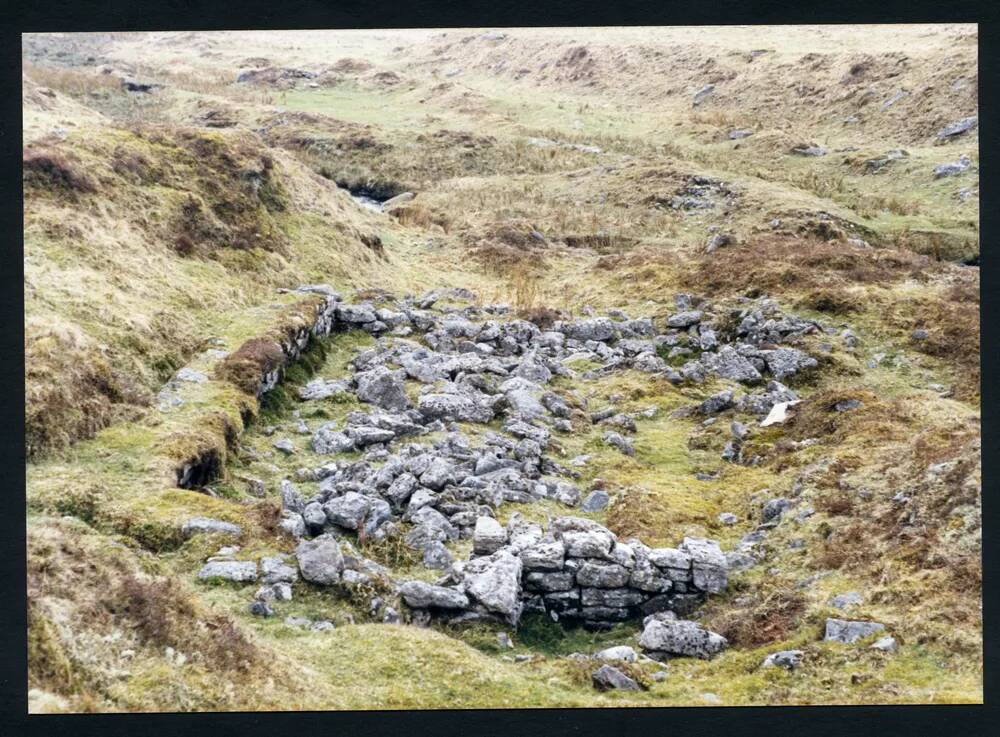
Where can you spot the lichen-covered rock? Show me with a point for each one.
(320, 560)
(488, 536)
(709, 571)
(544, 556)
(680, 638)
(602, 574)
(454, 407)
(238, 571)
(785, 362)
(608, 678)
(348, 511)
(383, 388)
(276, 570)
(422, 595)
(787, 659)
(848, 632)
(205, 525)
(495, 582)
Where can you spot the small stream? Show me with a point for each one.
(367, 202)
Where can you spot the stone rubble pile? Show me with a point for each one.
(480, 365)
(475, 368)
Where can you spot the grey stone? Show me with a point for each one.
(619, 442)
(439, 473)
(275, 570)
(454, 408)
(787, 659)
(785, 362)
(382, 388)
(623, 653)
(321, 389)
(421, 595)
(588, 543)
(292, 524)
(728, 518)
(845, 601)
(774, 509)
(261, 609)
(958, 128)
(885, 644)
(285, 446)
(205, 525)
(848, 632)
(619, 598)
(320, 560)
(703, 94)
(681, 638)
(727, 363)
(598, 328)
(554, 581)
(543, 556)
(595, 501)
(437, 556)
(708, 564)
(602, 574)
(495, 581)
(239, 571)
(953, 168)
(347, 511)
(716, 403)
(488, 536)
(328, 440)
(607, 678)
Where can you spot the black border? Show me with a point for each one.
(819, 721)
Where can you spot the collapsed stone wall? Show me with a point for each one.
(575, 571)
(477, 364)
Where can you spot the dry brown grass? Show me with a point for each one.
(76, 82)
(767, 612)
(776, 264)
(72, 389)
(55, 171)
(418, 216)
(581, 672)
(833, 301)
(246, 366)
(162, 613)
(83, 588)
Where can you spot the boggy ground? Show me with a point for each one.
(553, 171)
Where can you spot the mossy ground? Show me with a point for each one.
(125, 282)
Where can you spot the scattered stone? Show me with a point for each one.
(848, 632)
(703, 94)
(885, 644)
(205, 525)
(229, 570)
(595, 501)
(958, 128)
(607, 678)
(261, 609)
(618, 652)
(787, 659)
(320, 560)
(845, 601)
(680, 638)
(809, 150)
(953, 168)
(285, 446)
